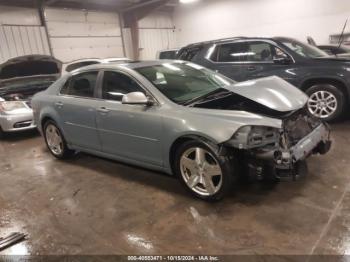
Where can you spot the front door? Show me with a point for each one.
(76, 106)
(259, 61)
(129, 131)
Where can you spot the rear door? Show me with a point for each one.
(226, 59)
(76, 106)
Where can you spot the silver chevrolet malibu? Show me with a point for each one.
(183, 119)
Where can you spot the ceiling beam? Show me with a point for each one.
(143, 5)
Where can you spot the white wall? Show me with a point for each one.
(77, 34)
(211, 19)
(19, 16)
(21, 33)
(156, 32)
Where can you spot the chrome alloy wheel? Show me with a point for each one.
(54, 139)
(322, 104)
(200, 171)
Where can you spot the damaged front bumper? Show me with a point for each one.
(17, 122)
(278, 157)
(284, 161)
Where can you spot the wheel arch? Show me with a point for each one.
(183, 139)
(327, 80)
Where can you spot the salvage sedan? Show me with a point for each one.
(20, 79)
(183, 119)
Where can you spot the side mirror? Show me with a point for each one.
(282, 60)
(136, 98)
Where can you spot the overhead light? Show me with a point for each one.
(187, 1)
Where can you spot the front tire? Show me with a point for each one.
(55, 141)
(204, 172)
(325, 101)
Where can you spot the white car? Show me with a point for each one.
(21, 78)
(92, 61)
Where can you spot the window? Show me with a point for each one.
(190, 53)
(259, 52)
(171, 54)
(181, 82)
(81, 85)
(232, 52)
(77, 65)
(116, 85)
(65, 88)
(251, 51)
(304, 49)
(278, 53)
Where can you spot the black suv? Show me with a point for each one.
(325, 79)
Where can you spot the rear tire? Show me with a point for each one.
(2, 134)
(326, 101)
(203, 172)
(55, 141)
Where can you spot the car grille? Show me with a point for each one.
(299, 125)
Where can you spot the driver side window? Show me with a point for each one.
(116, 85)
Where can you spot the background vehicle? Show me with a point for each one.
(336, 50)
(20, 79)
(325, 79)
(167, 54)
(92, 61)
(180, 118)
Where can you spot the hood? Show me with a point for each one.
(23, 88)
(30, 65)
(272, 92)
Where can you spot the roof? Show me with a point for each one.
(130, 65)
(230, 39)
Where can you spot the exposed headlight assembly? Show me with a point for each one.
(8, 106)
(248, 137)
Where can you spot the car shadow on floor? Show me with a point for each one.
(19, 136)
(248, 192)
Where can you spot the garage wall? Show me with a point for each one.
(77, 34)
(21, 33)
(156, 32)
(208, 19)
(18, 16)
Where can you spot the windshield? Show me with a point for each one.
(344, 49)
(182, 81)
(305, 50)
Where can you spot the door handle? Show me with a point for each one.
(103, 110)
(251, 68)
(59, 104)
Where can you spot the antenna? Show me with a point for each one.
(342, 34)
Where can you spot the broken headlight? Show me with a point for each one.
(8, 106)
(248, 137)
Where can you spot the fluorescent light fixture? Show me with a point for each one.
(187, 1)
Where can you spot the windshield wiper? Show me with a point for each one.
(204, 97)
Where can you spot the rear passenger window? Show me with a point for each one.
(190, 53)
(232, 52)
(82, 85)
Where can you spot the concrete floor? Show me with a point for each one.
(90, 205)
